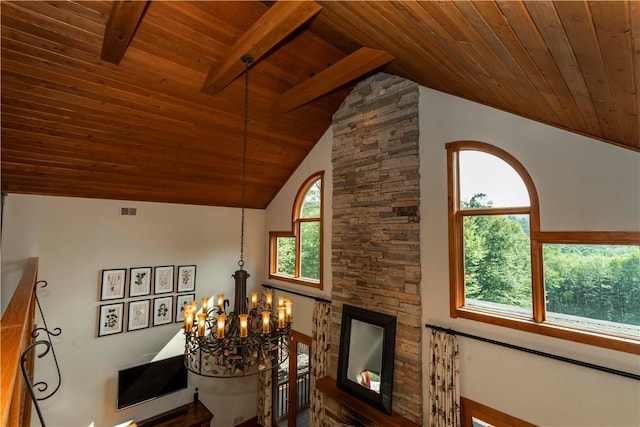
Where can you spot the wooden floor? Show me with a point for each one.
(302, 420)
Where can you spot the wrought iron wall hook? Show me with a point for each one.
(41, 385)
(25, 374)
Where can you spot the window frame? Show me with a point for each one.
(296, 221)
(537, 238)
(470, 409)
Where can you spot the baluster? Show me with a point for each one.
(41, 385)
(25, 374)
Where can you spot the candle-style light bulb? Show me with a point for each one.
(205, 304)
(281, 316)
(254, 300)
(281, 301)
(193, 308)
(288, 305)
(188, 320)
(269, 300)
(220, 299)
(220, 322)
(201, 323)
(244, 325)
(266, 324)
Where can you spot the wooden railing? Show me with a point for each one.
(15, 327)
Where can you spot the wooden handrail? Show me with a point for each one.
(15, 329)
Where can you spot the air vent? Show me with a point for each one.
(128, 211)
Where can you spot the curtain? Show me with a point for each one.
(319, 360)
(444, 388)
(265, 391)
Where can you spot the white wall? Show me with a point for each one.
(76, 238)
(278, 218)
(582, 184)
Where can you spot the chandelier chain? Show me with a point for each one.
(247, 60)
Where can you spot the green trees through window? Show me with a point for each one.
(496, 257)
(297, 256)
(286, 256)
(310, 250)
(600, 282)
(310, 232)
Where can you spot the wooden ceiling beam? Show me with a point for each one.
(344, 71)
(275, 25)
(123, 22)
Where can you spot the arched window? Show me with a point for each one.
(580, 286)
(296, 255)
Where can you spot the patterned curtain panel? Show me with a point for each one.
(265, 392)
(444, 388)
(319, 361)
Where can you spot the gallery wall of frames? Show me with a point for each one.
(137, 298)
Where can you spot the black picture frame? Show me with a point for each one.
(113, 283)
(366, 354)
(186, 278)
(163, 277)
(140, 281)
(163, 310)
(110, 319)
(139, 312)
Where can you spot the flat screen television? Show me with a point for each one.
(151, 380)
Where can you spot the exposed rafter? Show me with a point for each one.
(275, 25)
(344, 71)
(123, 22)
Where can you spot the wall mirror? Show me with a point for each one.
(366, 355)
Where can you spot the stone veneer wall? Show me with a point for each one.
(376, 224)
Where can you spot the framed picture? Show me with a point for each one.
(186, 278)
(181, 301)
(110, 319)
(162, 310)
(113, 283)
(138, 315)
(163, 279)
(140, 281)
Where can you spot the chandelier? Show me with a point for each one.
(254, 336)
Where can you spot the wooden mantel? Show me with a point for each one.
(327, 385)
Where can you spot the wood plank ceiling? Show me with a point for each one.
(148, 104)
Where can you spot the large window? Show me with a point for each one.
(296, 255)
(581, 286)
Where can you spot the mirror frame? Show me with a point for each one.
(380, 400)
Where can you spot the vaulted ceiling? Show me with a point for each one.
(144, 100)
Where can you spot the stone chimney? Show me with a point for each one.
(376, 225)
